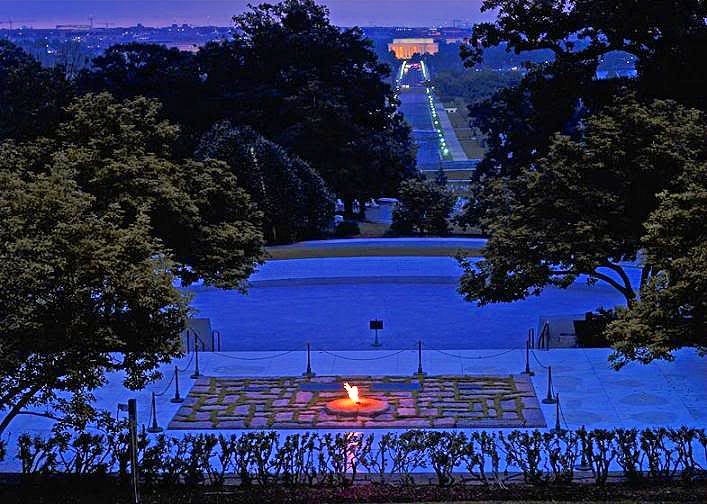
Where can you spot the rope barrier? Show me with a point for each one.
(562, 411)
(365, 358)
(478, 357)
(171, 380)
(254, 358)
(538, 361)
(186, 368)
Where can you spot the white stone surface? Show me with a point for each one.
(591, 393)
(330, 301)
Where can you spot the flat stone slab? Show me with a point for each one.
(321, 387)
(395, 387)
(449, 401)
(375, 387)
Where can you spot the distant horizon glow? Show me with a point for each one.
(123, 13)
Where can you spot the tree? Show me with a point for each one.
(666, 37)
(555, 95)
(670, 312)
(315, 89)
(441, 178)
(82, 296)
(423, 207)
(473, 87)
(551, 222)
(152, 71)
(121, 153)
(31, 97)
(583, 207)
(295, 201)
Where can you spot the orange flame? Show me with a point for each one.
(353, 392)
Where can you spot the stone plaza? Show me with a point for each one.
(300, 403)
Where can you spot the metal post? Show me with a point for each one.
(549, 399)
(177, 398)
(546, 332)
(218, 339)
(527, 360)
(558, 428)
(376, 343)
(584, 463)
(132, 426)
(308, 373)
(154, 428)
(197, 373)
(188, 341)
(531, 337)
(420, 372)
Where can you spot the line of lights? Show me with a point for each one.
(436, 124)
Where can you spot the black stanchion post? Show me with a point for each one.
(308, 373)
(420, 372)
(186, 332)
(584, 464)
(132, 426)
(196, 373)
(558, 428)
(546, 331)
(376, 325)
(527, 360)
(549, 399)
(177, 398)
(218, 340)
(376, 343)
(154, 428)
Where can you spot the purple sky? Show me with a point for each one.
(47, 13)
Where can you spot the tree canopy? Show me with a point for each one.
(472, 87)
(666, 37)
(424, 207)
(98, 222)
(519, 122)
(31, 97)
(315, 89)
(573, 166)
(584, 207)
(121, 153)
(670, 312)
(152, 71)
(82, 295)
(295, 201)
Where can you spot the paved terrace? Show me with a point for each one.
(592, 394)
(329, 301)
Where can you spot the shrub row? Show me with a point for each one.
(262, 458)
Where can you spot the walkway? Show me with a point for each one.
(668, 394)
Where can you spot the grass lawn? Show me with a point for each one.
(451, 174)
(372, 229)
(470, 138)
(300, 252)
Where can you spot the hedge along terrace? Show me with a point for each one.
(266, 459)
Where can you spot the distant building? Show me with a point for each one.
(405, 48)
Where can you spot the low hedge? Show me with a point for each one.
(94, 489)
(262, 459)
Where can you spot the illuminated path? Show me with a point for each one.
(432, 129)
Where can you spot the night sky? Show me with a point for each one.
(47, 13)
